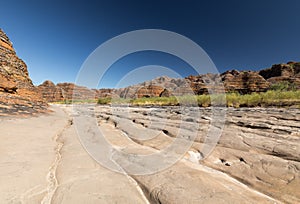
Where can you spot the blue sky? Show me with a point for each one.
(55, 37)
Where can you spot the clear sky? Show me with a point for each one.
(55, 37)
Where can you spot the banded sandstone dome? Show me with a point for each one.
(243, 82)
(17, 93)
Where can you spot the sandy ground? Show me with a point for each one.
(43, 161)
(27, 151)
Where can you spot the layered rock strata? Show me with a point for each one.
(17, 93)
(243, 82)
(283, 72)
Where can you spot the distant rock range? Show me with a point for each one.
(69, 91)
(243, 82)
(17, 93)
(19, 96)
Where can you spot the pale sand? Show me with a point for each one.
(42, 161)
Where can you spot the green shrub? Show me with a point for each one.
(104, 101)
(251, 100)
(203, 100)
(283, 86)
(161, 101)
(188, 100)
(269, 98)
(218, 100)
(233, 100)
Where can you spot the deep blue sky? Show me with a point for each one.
(55, 37)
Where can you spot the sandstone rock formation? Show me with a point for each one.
(101, 93)
(17, 93)
(69, 91)
(243, 82)
(161, 86)
(283, 72)
(51, 92)
(149, 91)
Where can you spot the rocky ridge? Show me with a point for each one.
(17, 93)
(243, 82)
(70, 91)
(283, 72)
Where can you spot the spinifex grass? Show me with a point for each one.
(269, 98)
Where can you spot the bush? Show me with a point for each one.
(104, 101)
(251, 100)
(269, 98)
(188, 100)
(218, 100)
(161, 101)
(203, 100)
(283, 86)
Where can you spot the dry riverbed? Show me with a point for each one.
(256, 159)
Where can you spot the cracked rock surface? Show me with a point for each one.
(258, 147)
(255, 160)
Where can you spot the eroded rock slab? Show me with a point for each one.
(258, 147)
(44, 161)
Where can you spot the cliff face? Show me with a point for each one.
(17, 93)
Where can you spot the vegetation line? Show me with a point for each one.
(264, 99)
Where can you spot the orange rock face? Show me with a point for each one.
(70, 91)
(283, 72)
(101, 93)
(244, 82)
(149, 91)
(50, 92)
(7, 84)
(17, 93)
